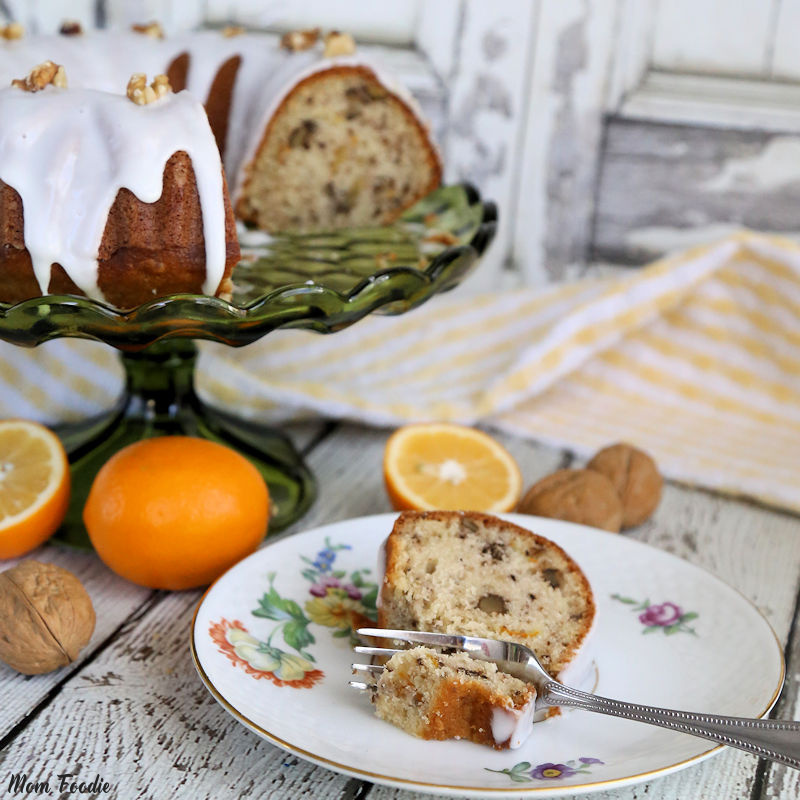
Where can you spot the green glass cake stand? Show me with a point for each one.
(322, 282)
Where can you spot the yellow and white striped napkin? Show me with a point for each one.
(695, 358)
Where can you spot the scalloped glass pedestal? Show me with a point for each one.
(322, 282)
(159, 399)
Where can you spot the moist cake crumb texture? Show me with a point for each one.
(453, 696)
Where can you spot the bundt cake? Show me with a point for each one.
(109, 195)
(475, 574)
(453, 696)
(312, 135)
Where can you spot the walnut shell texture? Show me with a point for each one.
(575, 495)
(635, 477)
(46, 617)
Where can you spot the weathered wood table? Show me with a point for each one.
(133, 711)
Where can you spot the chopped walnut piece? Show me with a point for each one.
(45, 74)
(60, 78)
(142, 94)
(160, 85)
(229, 31)
(70, 27)
(151, 29)
(339, 44)
(300, 40)
(14, 30)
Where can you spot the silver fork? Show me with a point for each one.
(778, 740)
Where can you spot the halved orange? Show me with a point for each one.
(34, 486)
(449, 467)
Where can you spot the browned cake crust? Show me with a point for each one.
(220, 97)
(259, 200)
(148, 250)
(537, 595)
(463, 711)
(177, 72)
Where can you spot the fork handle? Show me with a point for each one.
(778, 740)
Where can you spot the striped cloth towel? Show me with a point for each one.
(695, 358)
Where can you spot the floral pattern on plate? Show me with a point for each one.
(523, 772)
(260, 659)
(338, 600)
(667, 617)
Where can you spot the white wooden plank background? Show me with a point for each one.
(785, 62)
(570, 77)
(715, 36)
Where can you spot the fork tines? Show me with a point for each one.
(415, 637)
(364, 687)
(411, 637)
(365, 650)
(372, 669)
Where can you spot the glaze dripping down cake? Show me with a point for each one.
(103, 196)
(475, 574)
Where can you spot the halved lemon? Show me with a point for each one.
(34, 486)
(449, 467)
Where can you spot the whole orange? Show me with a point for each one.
(175, 512)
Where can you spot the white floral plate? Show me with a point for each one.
(271, 641)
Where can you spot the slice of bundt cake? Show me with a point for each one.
(119, 198)
(339, 149)
(453, 696)
(474, 574)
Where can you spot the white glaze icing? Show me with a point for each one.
(105, 61)
(512, 725)
(68, 152)
(380, 572)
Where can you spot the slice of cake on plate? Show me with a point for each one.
(474, 574)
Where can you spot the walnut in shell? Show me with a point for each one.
(575, 495)
(635, 477)
(46, 617)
